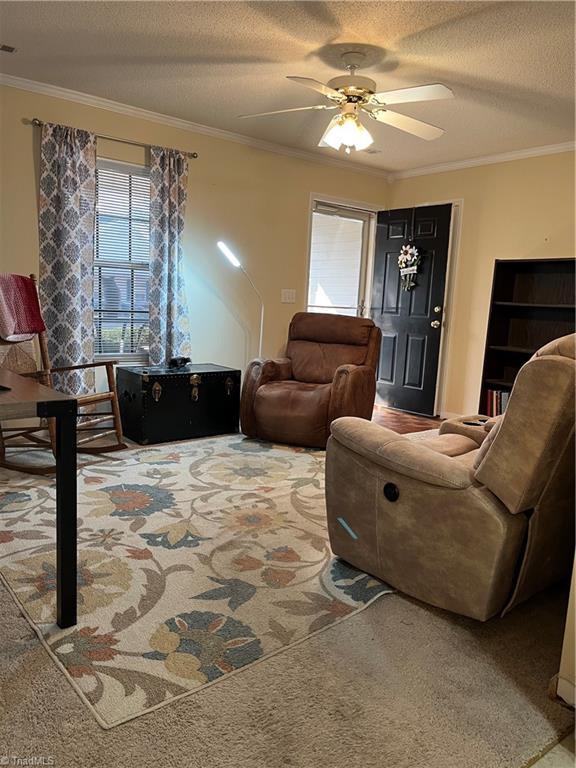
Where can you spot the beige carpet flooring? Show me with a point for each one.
(400, 685)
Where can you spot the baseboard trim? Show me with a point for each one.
(566, 690)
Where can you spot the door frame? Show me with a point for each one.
(361, 207)
(454, 241)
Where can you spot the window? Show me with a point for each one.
(338, 246)
(121, 260)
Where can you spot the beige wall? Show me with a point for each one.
(259, 202)
(255, 200)
(567, 676)
(516, 210)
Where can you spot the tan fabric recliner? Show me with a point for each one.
(476, 519)
(329, 371)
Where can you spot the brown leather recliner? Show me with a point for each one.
(471, 520)
(329, 371)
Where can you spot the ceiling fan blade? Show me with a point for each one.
(316, 85)
(405, 123)
(418, 93)
(294, 109)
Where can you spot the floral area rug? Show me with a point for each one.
(195, 560)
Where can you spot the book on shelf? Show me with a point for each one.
(496, 401)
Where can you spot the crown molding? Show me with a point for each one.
(78, 97)
(56, 91)
(505, 157)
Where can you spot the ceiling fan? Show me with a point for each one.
(354, 95)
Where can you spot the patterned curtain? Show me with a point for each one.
(169, 321)
(66, 228)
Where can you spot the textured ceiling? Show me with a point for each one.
(510, 65)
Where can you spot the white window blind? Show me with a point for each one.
(121, 260)
(335, 264)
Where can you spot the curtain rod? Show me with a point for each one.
(39, 123)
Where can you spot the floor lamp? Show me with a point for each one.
(236, 263)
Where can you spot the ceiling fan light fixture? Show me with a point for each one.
(354, 95)
(346, 130)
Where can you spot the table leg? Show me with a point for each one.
(66, 516)
(64, 414)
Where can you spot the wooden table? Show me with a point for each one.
(27, 398)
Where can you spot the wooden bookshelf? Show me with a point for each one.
(533, 302)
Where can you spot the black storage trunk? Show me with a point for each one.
(161, 404)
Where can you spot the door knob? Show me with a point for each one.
(435, 324)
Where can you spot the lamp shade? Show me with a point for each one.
(346, 130)
(229, 254)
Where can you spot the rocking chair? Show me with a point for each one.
(20, 356)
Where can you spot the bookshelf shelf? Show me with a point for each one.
(499, 383)
(532, 303)
(512, 350)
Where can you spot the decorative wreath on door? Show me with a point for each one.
(408, 262)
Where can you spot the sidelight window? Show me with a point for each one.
(337, 267)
